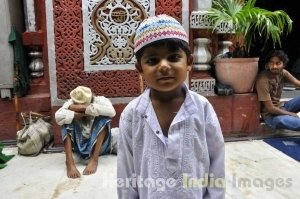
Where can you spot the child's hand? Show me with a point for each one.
(79, 115)
(80, 108)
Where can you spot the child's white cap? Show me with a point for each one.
(81, 95)
(158, 28)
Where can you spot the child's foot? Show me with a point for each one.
(72, 171)
(91, 167)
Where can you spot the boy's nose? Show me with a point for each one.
(164, 65)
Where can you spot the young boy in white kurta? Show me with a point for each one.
(170, 140)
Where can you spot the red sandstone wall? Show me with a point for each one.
(69, 56)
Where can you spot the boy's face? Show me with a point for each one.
(164, 68)
(275, 65)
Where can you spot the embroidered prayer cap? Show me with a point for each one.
(81, 95)
(158, 28)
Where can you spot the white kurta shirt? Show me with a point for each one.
(151, 166)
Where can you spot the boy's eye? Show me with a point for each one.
(152, 61)
(174, 57)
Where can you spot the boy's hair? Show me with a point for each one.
(278, 53)
(160, 29)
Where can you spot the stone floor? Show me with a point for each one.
(290, 91)
(254, 170)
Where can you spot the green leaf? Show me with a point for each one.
(244, 19)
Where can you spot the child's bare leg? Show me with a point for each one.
(72, 171)
(93, 163)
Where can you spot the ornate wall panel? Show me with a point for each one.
(108, 37)
(169, 7)
(109, 34)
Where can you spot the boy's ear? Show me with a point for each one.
(190, 61)
(138, 67)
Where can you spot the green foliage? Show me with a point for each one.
(4, 158)
(246, 20)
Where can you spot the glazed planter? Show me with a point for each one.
(239, 73)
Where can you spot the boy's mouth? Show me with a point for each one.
(165, 78)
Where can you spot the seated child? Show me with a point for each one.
(85, 127)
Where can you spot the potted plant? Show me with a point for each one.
(243, 20)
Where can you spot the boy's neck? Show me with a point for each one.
(165, 97)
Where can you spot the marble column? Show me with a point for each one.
(36, 65)
(202, 81)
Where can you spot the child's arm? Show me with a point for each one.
(79, 108)
(101, 106)
(216, 150)
(69, 111)
(63, 115)
(125, 171)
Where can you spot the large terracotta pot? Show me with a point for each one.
(239, 73)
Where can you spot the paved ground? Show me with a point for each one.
(290, 94)
(254, 170)
(289, 91)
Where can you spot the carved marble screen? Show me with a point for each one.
(109, 27)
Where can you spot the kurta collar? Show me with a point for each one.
(188, 108)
